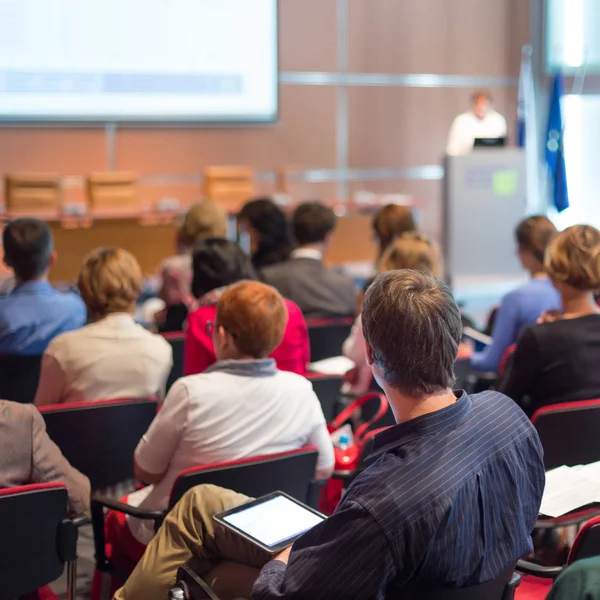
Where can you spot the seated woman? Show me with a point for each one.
(204, 219)
(28, 455)
(523, 306)
(409, 251)
(557, 360)
(391, 222)
(112, 357)
(242, 406)
(269, 232)
(218, 263)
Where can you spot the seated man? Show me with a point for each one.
(34, 313)
(451, 499)
(320, 292)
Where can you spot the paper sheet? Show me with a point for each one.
(336, 365)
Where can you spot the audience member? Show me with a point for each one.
(409, 251)
(523, 306)
(557, 360)
(204, 219)
(450, 500)
(320, 292)
(391, 222)
(269, 232)
(218, 263)
(579, 581)
(28, 455)
(34, 312)
(242, 406)
(112, 357)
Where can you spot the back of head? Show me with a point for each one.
(272, 227)
(534, 234)
(573, 258)
(28, 247)
(411, 251)
(204, 219)
(110, 281)
(255, 314)
(312, 222)
(412, 325)
(390, 222)
(217, 262)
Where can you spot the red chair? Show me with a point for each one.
(327, 388)
(37, 540)
(505, 358)
(291, 472)
(177, 341)
(99, 438)
(537, 580)
(327, 336)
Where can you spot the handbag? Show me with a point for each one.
(347, 460)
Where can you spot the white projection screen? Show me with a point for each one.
(206, 61)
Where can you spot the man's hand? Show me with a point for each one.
(284, 555)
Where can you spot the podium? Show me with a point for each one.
(484, 200)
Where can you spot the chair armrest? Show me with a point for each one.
(529, 568)
(134, 511)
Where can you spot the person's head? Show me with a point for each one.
(411, 251)
(216, 263)
(390, 222)
(110, 281)
(533, 236)
(204, 219)
(412, 330)
(573, 261)
(28, 249)
(312, 224)
(250, 322)
(481, 101)
(269, 231)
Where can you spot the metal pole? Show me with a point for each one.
(342, 125)
(110, 134)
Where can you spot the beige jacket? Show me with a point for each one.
(28, 455)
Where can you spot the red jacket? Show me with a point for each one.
(293, 354)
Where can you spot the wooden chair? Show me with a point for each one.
(113, 193)
(231, 187)
(36, 194)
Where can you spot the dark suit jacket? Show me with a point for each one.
(319, 291)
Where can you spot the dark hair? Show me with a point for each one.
(311, 222)
(534, 234)
(28, 246)
(217, 262)
(391, 222)
(412, 325)
(271, 224)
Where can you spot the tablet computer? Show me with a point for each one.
(271, 522)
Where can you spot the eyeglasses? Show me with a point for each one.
(211, 326)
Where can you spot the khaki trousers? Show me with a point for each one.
(189, 535)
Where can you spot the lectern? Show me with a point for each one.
(484, 199)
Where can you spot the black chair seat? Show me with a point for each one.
(19, 377)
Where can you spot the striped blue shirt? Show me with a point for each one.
(450, 500)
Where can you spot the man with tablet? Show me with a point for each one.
(450, 500)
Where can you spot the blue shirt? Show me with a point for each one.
(518, 309)
(33, 314)
(451, 501)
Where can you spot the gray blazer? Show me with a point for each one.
(320, 292)
(28, 455)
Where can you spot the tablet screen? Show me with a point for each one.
(274, 521)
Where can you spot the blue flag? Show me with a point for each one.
(555, 157)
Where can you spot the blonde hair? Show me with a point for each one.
(411, 251)
(204, 219)
(110, 281)
(573, 258)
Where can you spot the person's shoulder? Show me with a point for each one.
(17, 414)
(293, 309)
(293, 380)
(276, 268)
(491, 407)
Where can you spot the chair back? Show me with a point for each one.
(99, 438)
(587, 542)
(569, 433)
(327, 336)
(290, 472)
(327, 388)
(19, 377)
(462, 373)
(177, 341)
(37, 537)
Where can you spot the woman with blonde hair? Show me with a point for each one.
(112, 356)
(557, 359)
(204, 219)
(411, 250)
